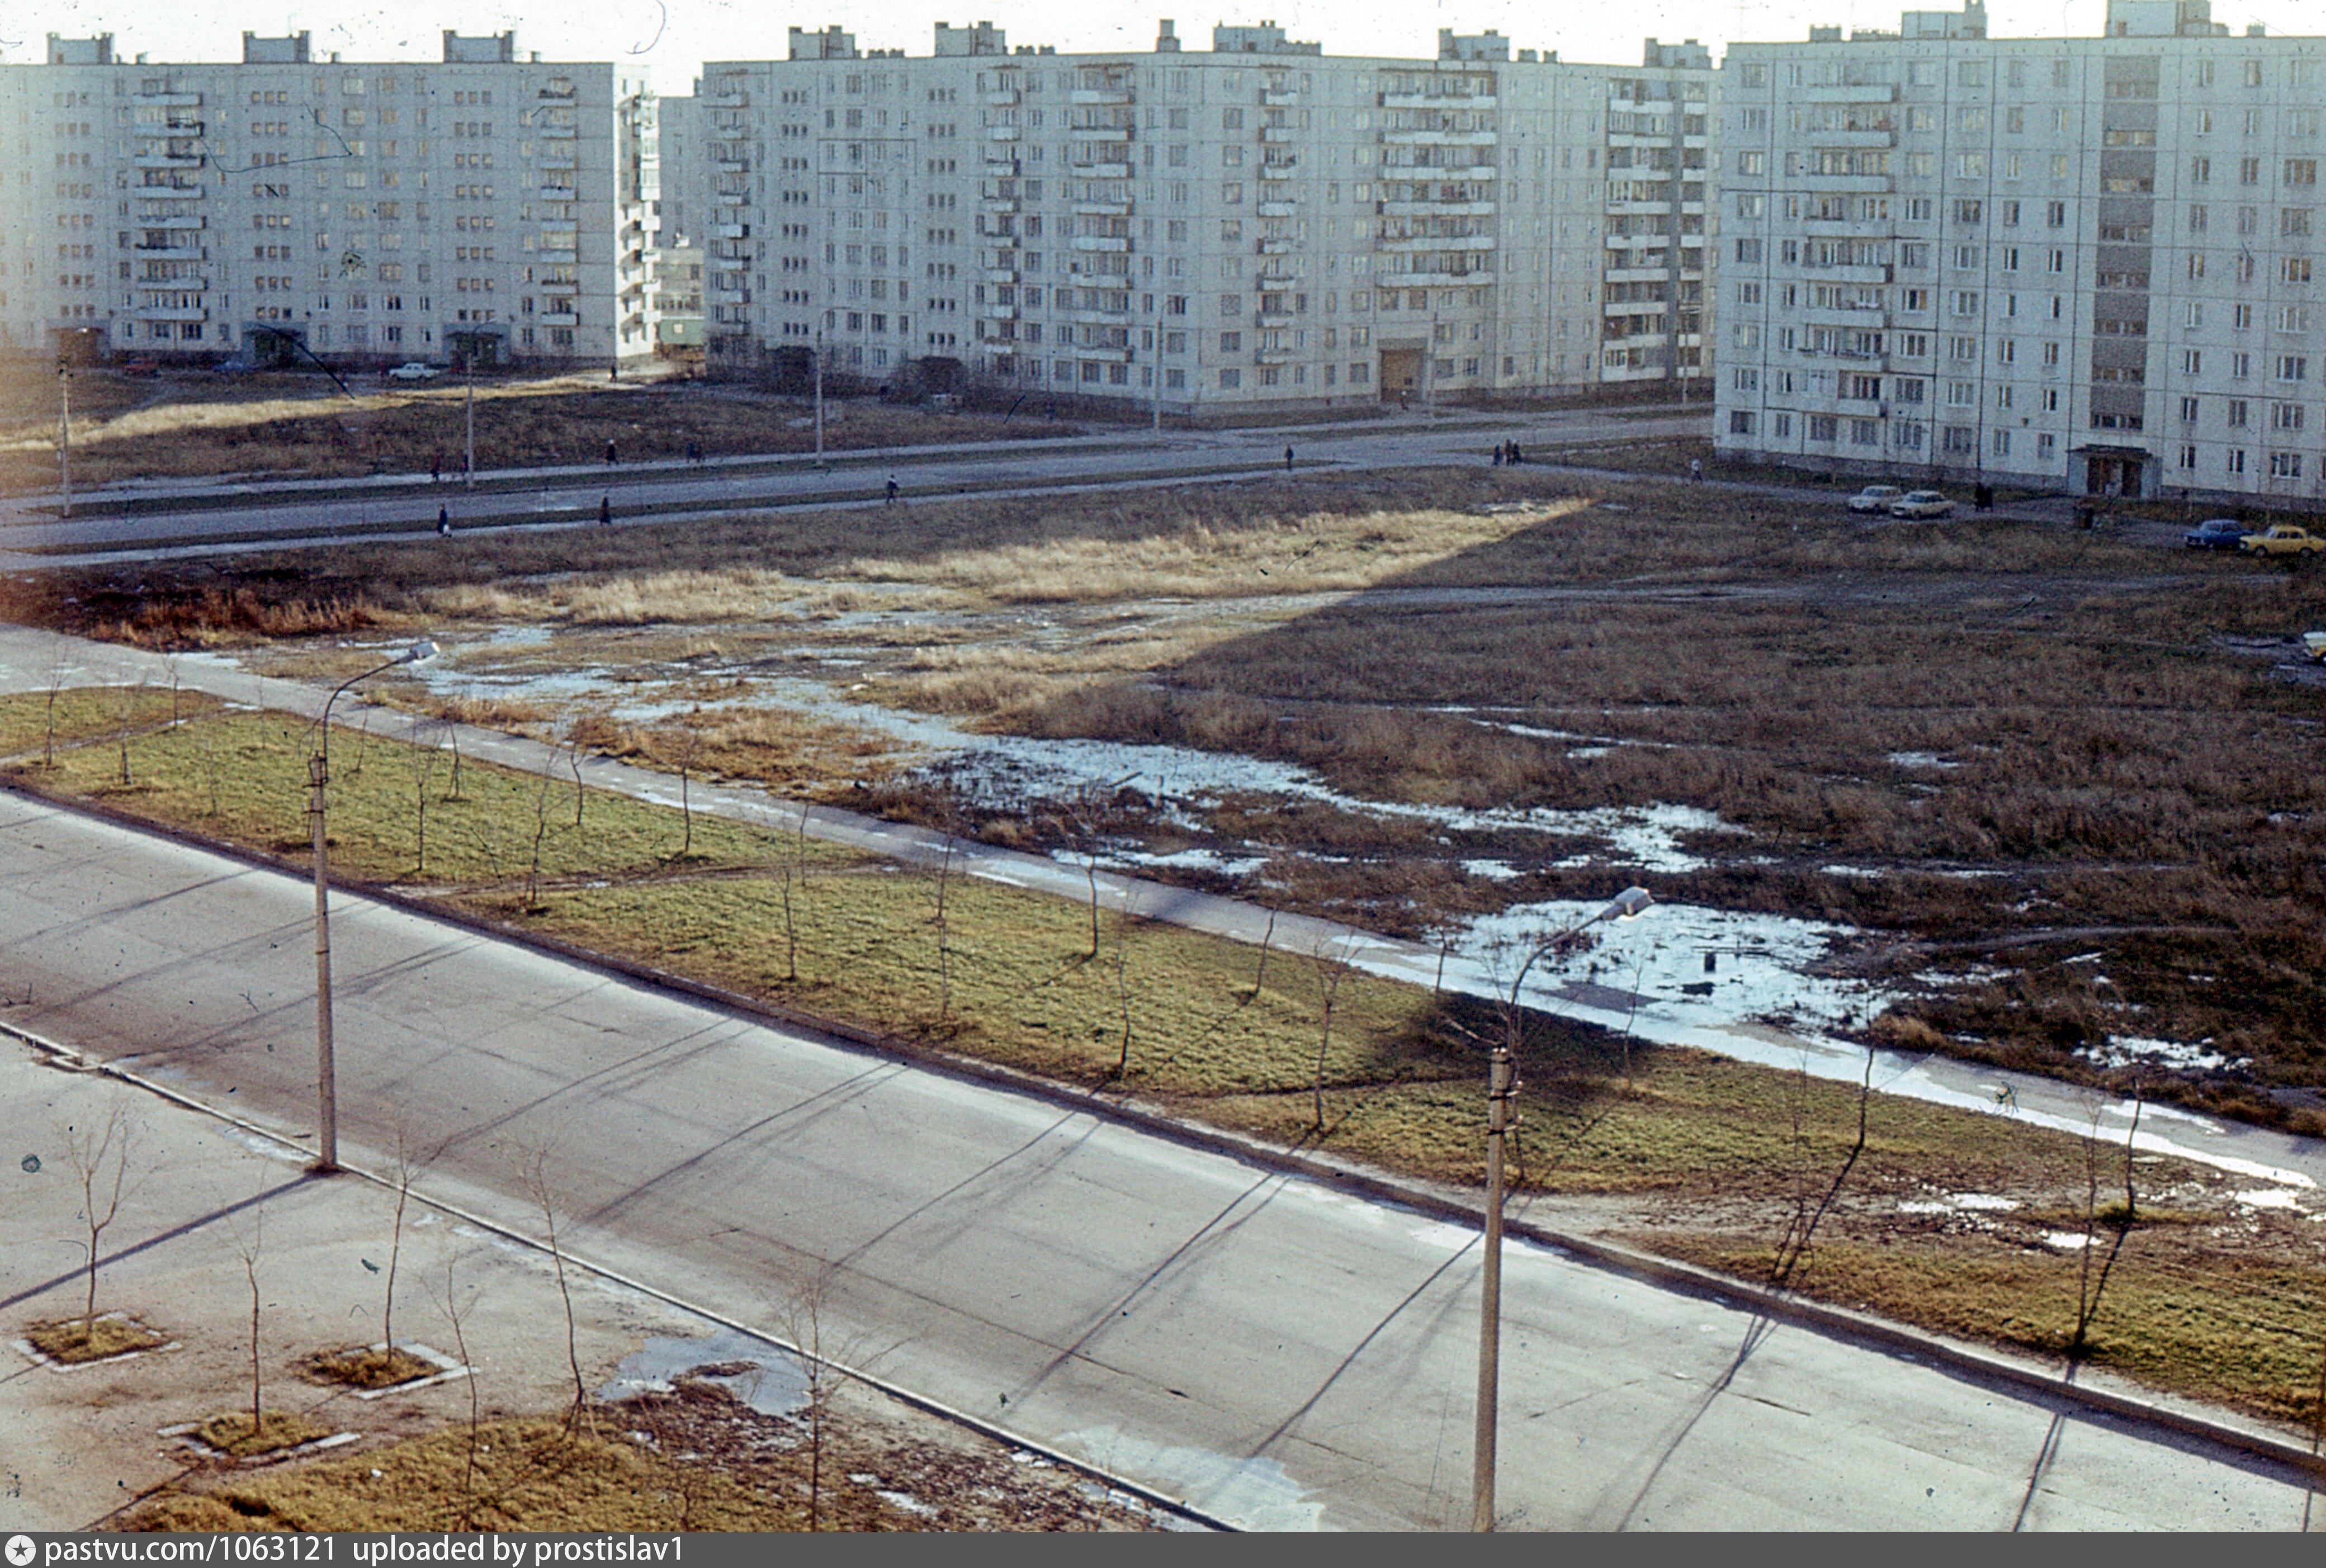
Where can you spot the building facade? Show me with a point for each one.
(485, 205)
(1260, 226)
(2083, 262)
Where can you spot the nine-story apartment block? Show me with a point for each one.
(485, 206)
(1260, 226)
(2083, 262)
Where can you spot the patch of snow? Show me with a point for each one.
(1869, 873)
(1492, 870)
(1920, 760)
(1588, 753)
(2067, 1240)
(2124, 1050)
(2269, 1198)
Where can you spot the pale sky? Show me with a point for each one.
(674, 37)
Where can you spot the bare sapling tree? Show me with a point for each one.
(56, 688)
(1276, 878)
(129, 697)
(424, 758)
(1123, 993)
(452, 733)
(210, 763)
(247, 1245)
(946, 824)
(171, 664)
(534, 1163)
(1330, 959)
(540, 829)
(363, 744)
(1076, 829)
(689, 746)
(407, 1168)
(454, 1309)
(2091, 1283)
(570, 734)
(1793, 1247)
(99, 1154)
(804, 1312)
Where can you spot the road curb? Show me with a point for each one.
(1841, 1322)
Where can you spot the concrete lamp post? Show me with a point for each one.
(327, 1141)
(1502, 1083)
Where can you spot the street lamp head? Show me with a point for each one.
(420, 652)
(1628, 905)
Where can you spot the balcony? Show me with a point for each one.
(168, 100)
(1099, 133)
(1276, 209)
(1435, 101)
(557, 193)
(1885, 93)
(1103, 209)
(1003, 206)
(1001, 133)
(166, 161)
(564, 165)
(560, 318)
(1852, 138)
(1090, 242)
(1099, 318)
(170, 313)
(1003, 97)
(1002, 159)
(1002, 274)
(1276, 133)
(998, 312)
(1441, 139)
(1434, 208)
(558, 132)
(1848, 184)
(1274, 355)
(1280, 98)
(1654, 274)
(1101, 171)
(1104, 355)
(1865, 275)
(1276, 247)
(166, 192)
(1410, 242)
(1483, 275)
(1100, 95)
(731, 231)
(1468, 173)
(179, 221)
(1273, 318)
(563, 93)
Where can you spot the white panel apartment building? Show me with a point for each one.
(483, 204)
(2065, 261)
(1264, 225)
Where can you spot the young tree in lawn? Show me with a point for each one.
(1330, 958)
(533, 1169)
(455, 1308)
(425, 758)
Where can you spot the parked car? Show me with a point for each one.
(413, 371)
(1921, 504)
(2215, 533)
(2314, 646)
(1876, 498)
(140, 367)
(2282, 539)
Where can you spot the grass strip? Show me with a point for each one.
(1215, 1030)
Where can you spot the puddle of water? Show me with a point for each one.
(774, 1386)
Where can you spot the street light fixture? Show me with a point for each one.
(327, 1152)
(1502, 1083)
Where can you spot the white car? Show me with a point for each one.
(1876, 498)
(1921, 504)
(413, 371)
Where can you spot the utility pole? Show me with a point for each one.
(326, 1139)
(471, 366)
(1158, 364)
(1501, 1083)
(819, 400)
(64, 431)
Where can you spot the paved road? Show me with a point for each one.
(145, 521)
(1277, 1353)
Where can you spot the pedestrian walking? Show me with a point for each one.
(444, 520)
(609, 454)
(892, 494)
(695, 451)
(436, 470)
(1501, 451)
(1287, 459)
(606, 509)
(1696, 470)
(1516, 456)
(1982, 496)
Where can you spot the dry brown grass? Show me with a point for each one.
(368, 1366)
(234, 1435)
(194, 425)
(77, 1340)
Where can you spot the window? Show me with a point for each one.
(1823, 427)
(2237, 414)
(2285, 416)
(2188, 410)
(2193, 363)
(2285, 465)
(1740, 421)
(2293, 367)
(2237, 461)
(2295, 269)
